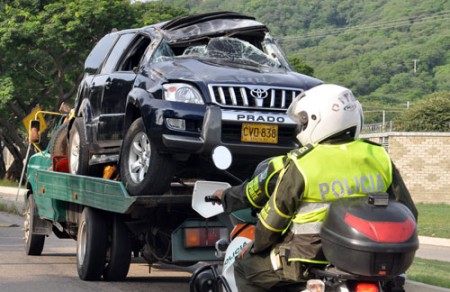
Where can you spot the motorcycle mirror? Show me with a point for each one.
(222, 157)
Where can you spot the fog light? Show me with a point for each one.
(176, 124)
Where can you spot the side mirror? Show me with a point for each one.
(34, 134)
(222, 157)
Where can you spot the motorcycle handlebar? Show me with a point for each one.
(212, 199)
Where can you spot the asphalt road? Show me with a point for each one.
(55, 269)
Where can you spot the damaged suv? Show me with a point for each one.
(157, 100)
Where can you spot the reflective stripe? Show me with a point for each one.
(313, 212)
(306, 228)
(311, 207)
(271, 219)
(308, 261)
(281, 214)
(270, 227)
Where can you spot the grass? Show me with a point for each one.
(434, 220)
(430, 272)
(8, 183)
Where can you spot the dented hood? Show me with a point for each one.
(194, 70)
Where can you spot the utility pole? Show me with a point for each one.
(415, 65)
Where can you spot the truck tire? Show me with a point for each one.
(144, 171)
(91, 244)
(118, 255)
(34, 243)
(78, 148)
(58, 143)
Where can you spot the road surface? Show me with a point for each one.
(55, 269)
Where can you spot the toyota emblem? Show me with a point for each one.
(259, 93)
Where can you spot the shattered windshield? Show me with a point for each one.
(223, 49)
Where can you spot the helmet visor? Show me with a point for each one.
(296, 114)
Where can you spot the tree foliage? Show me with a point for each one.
(429, 114)
(44, 44)
(300, 66)
(388, 52)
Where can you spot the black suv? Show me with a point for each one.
(159, 99)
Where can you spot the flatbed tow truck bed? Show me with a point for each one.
(104, 194)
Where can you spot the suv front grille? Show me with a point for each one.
(252, 96)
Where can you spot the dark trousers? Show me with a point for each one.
(254, 273)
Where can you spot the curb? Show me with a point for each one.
(434, 241)
(426, 287)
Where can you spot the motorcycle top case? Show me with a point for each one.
(369, 240)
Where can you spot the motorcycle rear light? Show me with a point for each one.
(203, 236)
(389, 232)
(366, 287)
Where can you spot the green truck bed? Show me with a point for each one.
(109, 195)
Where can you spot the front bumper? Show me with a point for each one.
(211, 126)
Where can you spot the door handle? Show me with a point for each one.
(108, 83)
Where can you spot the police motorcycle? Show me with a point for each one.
(369, 242)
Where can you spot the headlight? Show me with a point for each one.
(182, 92)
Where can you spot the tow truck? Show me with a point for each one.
(109, 226)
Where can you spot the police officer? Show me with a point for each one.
(332, 164)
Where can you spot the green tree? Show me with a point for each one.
(300, 66)
(442, 77)
(44, 44)
(429, 114)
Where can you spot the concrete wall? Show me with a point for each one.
(423, 160)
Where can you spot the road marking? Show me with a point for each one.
(8, 225)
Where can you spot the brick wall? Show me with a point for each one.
(423, 160)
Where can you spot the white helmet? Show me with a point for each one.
(325, 110)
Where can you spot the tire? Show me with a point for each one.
(34, 243)
(58, 143)
(144, 171)
(78, 148)
(118, 256)
(91, 244)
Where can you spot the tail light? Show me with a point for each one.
(389, 232)
(203, 236)
(366, 287)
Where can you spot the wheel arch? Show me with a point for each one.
(27, 192)
(85, 112)
(137, 99)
